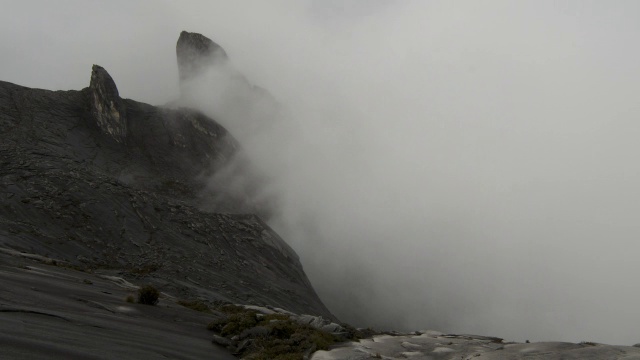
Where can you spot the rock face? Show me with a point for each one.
(52, 312)
(118, 187)
(208, 81)
(427, 345)
(107, 108)
(195, 54)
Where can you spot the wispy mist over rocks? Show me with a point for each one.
(462, 166)
(196, 54)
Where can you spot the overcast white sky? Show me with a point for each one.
(460, 165)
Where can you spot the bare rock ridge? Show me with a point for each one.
(205, 68)
(116, 187)
(167, 149)
(195, 54)
(106, 106)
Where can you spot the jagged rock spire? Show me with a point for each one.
(107, 107)
(195, 53)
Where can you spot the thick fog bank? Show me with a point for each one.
(464, 166)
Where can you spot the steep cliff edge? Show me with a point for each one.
(196, 53)
(112, 185)
(210, 82)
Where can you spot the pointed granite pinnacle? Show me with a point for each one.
(195, 54)
(107, 108)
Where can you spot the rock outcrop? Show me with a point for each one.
(133, 207)
(196, 53)
(107, 108)
(54, 312)
(427, 345)
(208, 81)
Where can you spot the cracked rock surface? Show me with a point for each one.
(51, 312)
(433, 345)
(196, 53)
(118, 186)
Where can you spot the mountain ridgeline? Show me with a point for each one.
(118, 194)
(117, 186)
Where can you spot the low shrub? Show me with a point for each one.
(285, 340)
(148, 295)
(237, 323)
(232, 309)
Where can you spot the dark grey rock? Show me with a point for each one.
(222, 341)
(203, 65)
(67, 319)
(196, 53)
(332, 328)
(254, 332)
(141, 208)
(133, 194)
(243, 345)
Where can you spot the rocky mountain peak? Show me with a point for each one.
(153, 194)
(195, 53)
(107, 108)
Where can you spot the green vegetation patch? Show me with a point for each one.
(233, 309)
(269, 337)
(196, 305)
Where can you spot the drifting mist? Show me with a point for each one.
(468, 167)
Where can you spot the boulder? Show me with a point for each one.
(222, 341)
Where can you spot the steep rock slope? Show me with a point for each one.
(209, 81)
(115, 186)
(49, 312)
(196, 53)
